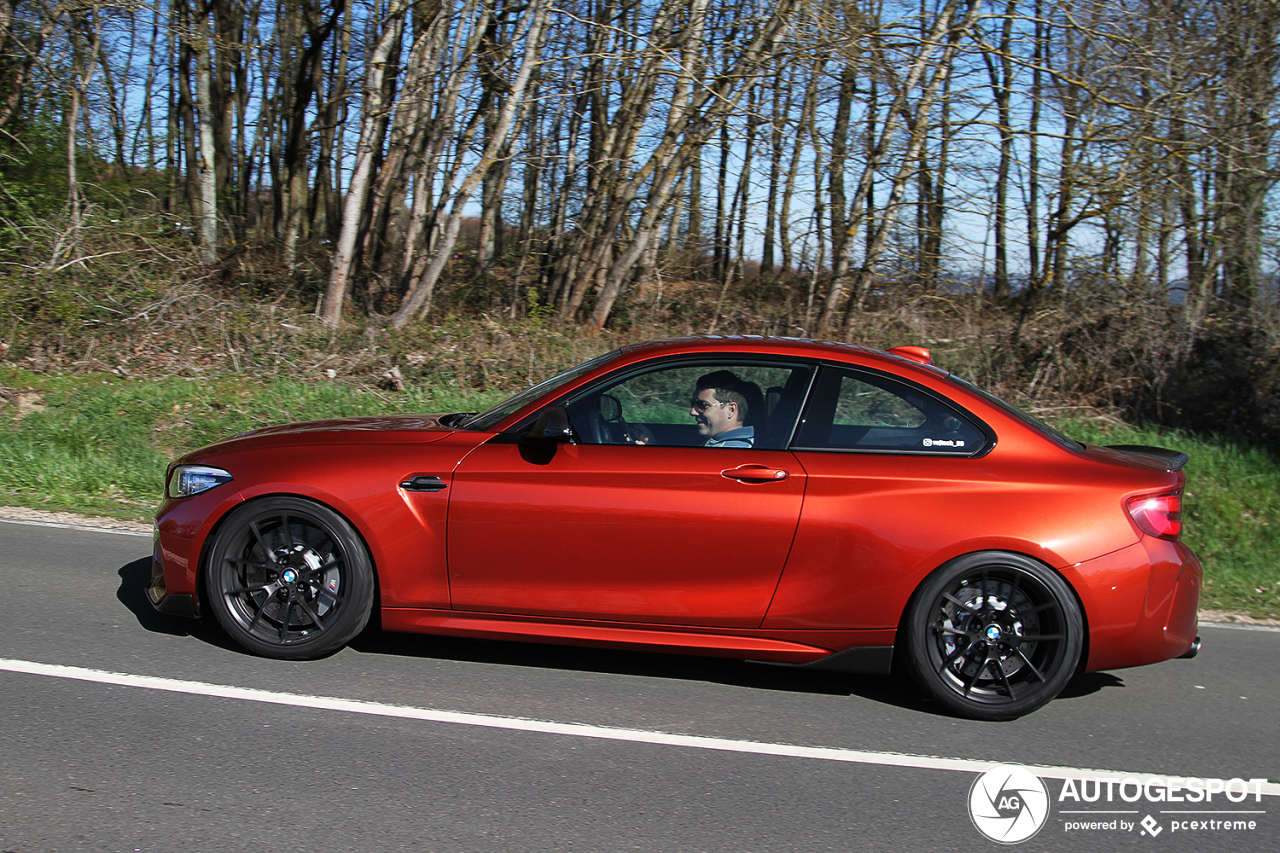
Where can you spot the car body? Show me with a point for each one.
(884, 512)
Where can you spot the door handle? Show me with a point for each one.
(423, 483)
(755, 474)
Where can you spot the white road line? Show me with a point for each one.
(83, 527)
(328, 703)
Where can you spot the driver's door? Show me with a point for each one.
(677, 534)
(623, 533)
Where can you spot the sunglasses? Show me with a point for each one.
(702, 405)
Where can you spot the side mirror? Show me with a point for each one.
(551, 425)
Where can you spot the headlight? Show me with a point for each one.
(188, 480)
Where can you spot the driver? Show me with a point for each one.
(720, 409)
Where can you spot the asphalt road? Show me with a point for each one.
(124, 730)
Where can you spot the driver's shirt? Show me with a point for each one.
(740, 437)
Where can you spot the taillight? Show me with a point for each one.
(1158, 515)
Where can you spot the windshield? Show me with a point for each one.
(1029, 420)
(490, 417)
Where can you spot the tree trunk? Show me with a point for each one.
(206, 165)
(372, 125)
(418, 300)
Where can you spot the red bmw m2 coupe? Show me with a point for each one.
(804, 503)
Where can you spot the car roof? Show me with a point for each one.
(773, 345)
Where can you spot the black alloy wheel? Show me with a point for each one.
(994, 635)
(289, 578)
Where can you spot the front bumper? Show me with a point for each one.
(181, 528)
(169, 603)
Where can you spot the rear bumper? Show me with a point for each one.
(1159, 624)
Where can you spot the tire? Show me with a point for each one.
(993, 635)
(289, 578)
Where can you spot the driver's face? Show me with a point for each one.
(712, 416)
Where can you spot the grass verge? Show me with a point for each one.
(1231, 512)
(99, 443)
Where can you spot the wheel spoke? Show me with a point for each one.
(257, 614)
(949, 659)
(286, 534)
(1030, 665)
(243, 578)
(1004, 677)
(947, 629)
(315, 618)
(248, 564)
(1035, 638)
(958, 603)
(335, 560)
(1039, 608)
(262, 543)
(247, 590)
(284, 619)
(977, 673)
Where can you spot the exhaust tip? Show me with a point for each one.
(1191, 652)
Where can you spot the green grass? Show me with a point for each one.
(1231, 512)
(98, 443)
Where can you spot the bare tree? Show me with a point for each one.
(931, 61)
(84, 32)
(200, 40)
(372, 126)
(529, 31)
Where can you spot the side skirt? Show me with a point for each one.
(866, 660)
(812, 648)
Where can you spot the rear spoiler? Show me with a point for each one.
(1171, 458)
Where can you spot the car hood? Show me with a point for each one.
(388, 423)
(414, 429)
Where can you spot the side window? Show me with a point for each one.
(860, 404)
(865, 411)
(726, 403)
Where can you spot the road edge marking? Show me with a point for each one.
(85, 528)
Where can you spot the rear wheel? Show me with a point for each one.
(994, 636)
(289, 578)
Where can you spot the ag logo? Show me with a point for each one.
(1008, 804)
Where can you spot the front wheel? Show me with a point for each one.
(994, 636)
(289, 578)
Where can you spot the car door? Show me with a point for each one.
(665, 532)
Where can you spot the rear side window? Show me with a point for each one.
(862, 411)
